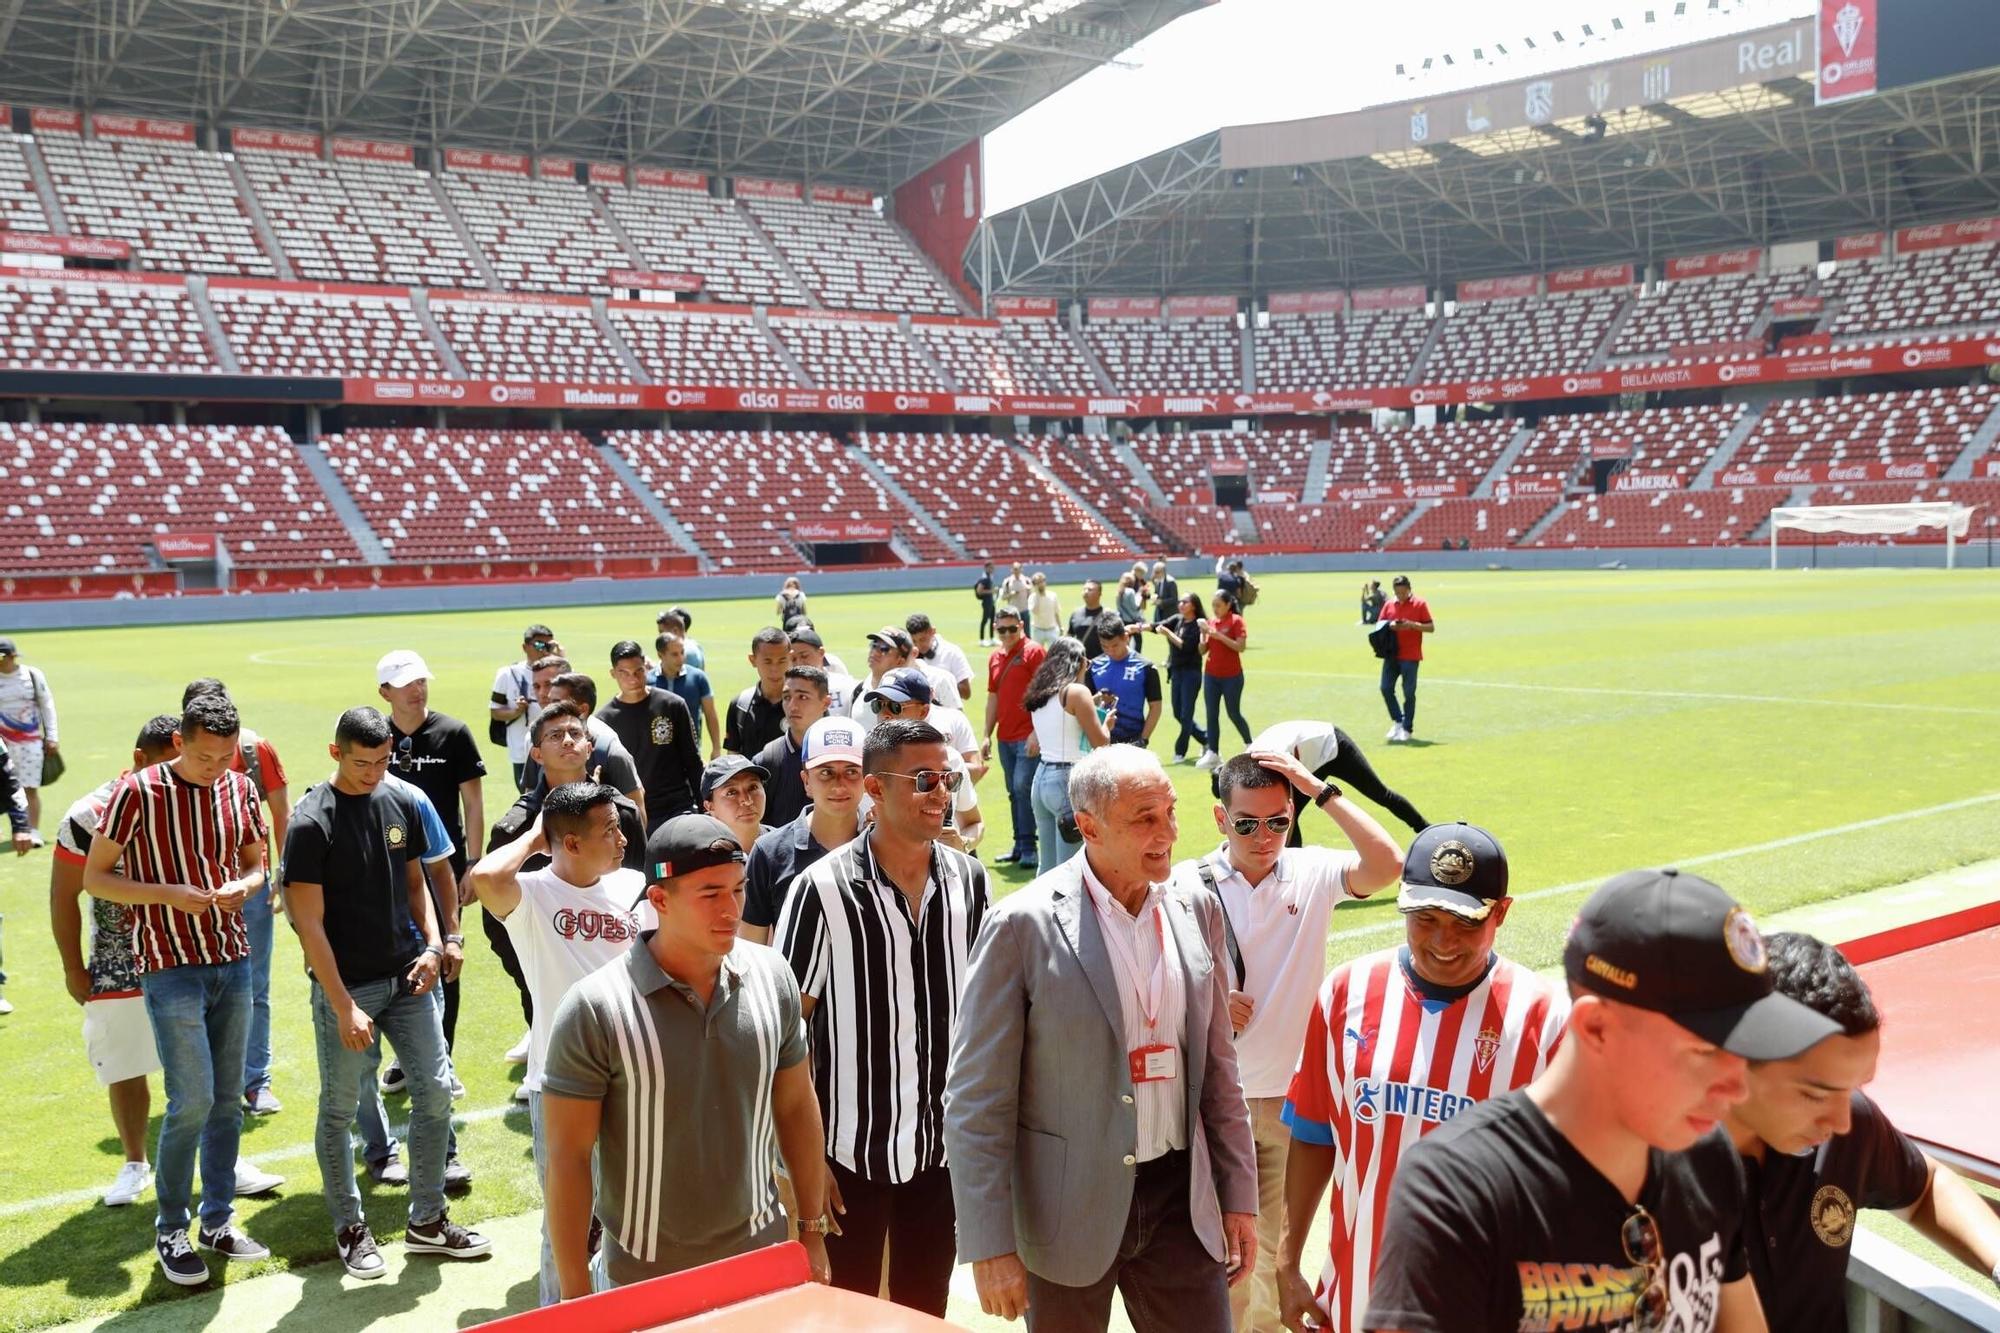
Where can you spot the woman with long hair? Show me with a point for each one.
(1225, 637)
(1060, 705)
(1182, 631)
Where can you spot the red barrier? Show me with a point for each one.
(368, 150)
(1306, 303)
(106, 126)
(1862, 245)
(847, 196)
(479, 159)
(750, 187)
(1497, 289)
(275, 141)
(666, 178)
(1408, 296)
(1201, 307)
(1744, 260)
(1947, 235)
(1025, 307)
(450, 573)
(1590, 279)
(68, 587)
(1124, 307)
(556, 168)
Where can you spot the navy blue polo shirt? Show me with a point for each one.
(777, 859)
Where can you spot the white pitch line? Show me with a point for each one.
(70, 1198)
(1658, 694)
(1708, 858)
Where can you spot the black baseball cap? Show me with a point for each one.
(7, 648)
(810, 637)
(1459, 868)
(724, 767)
(904, 685)
(687, 843)
(1678, 945)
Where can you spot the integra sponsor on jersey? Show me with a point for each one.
(1375, 1098)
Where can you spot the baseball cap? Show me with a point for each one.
(399, 668)
(7, 648)
(831, 739)
(1680, 946)
(725, 767)
(1460, 868)
(533, 632)
(904, 685)
(687, 843)
(891, 637)
(810, 636)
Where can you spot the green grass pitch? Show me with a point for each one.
(1798, 736)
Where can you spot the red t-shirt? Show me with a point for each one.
(1225, 662)
(1409, 642)
(1007, 677)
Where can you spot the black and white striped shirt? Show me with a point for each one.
(886, 990)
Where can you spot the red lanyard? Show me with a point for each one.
(1148, 1008)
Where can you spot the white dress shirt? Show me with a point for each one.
(1141, 947)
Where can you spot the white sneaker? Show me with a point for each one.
(6, 1005)
(1209, 761)
(254, 1180)
(518, 1053)
(1395, 734)
(133, 1178)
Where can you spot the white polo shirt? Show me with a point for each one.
(950, 658)
(1315, 743)
(1280, 927)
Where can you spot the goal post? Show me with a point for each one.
(1876, 521)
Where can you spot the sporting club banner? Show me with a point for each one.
(833, 316)
(846, 196)
(1400, 490)
(494, 393)
(275, 141)
(1948, 235)
(750, 187)
(1797, 307)
(1124, 307)
(1863, 245)
(1724, 261)
(1507, 488)
(185, 545)
(608, 173)
(1847, 49)
(96, 278)
(1590, 279)
(69, 247)
(369, 150)
(1025, 307)
(842, 530)
(507, 298)
(1306, 303)
(654, 282)
(1201, 307)
(556, 168)
(1409, 296)
(941, 206)
(55, 120)
(1498, 289)
(1648, 481)
(666, 178)
(1818, 473)
(478, 159)
(106, 126)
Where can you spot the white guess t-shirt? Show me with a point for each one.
(564, 933)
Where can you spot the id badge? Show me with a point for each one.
(1152, 1064)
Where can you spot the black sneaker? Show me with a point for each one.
(230, 1243)
(392, 1078)
(358, 1253)
(182, 1266)
(457, 1175)
(390, 1172)
(446, 1237)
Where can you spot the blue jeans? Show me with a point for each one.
(1019, 771)
(257, 1053)
(1185, 687)
(1392, 670)
(551, 1286)
(1218, 691)
(415, 1029)
(378, 1145)
(1051, 795)
(201, 1018)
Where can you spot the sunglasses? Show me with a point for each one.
(405, 752)
(1640, 1235)
(890, 706)
(1007, 629)
(930, 779)
(1245, 825)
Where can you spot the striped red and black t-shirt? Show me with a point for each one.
(174, 832)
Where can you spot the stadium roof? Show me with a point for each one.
(1526, 177)
(863, 92)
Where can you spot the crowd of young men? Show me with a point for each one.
(770, 993)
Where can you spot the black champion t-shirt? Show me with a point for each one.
(658, 732)
(1497, 1223)
(1804, 1211)
(356, 849)
(437, 757)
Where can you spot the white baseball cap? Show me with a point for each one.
(831, 739)
(400, 668)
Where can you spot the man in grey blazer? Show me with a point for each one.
(1095, 1128)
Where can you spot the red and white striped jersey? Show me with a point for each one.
(1382, 1067)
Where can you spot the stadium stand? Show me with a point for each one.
(1182, 464)
(1334, 525)
(1199, 527)
(1447, 451)
(1919, 426)
(20, 206)
(307, 333)
(855, 354)
(1670, 441)
(1370, 350)
(1084, 464)
(980, 358)
(989, 499)
(1983, 493)
(1047, 348)
(688, 231)
(471, 494)
(700, 347)
(65, 322)
(1550, 456)
(1719, 517)
(88, 496)
(739, 493)
(1180, 356)
(1933, 289)
(1527, 335)
(1486, 523)
(538, 235)
(1702, 319)
(853, 258)
(554, 339)
(359, 221)
(177, 205)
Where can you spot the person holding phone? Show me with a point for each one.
(512, 710)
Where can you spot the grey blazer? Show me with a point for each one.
(1040, 1126)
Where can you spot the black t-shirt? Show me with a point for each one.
(778, 858)
(983, 588)
(1083, 625)
(439, 755)
(510, 826)
(753, 722)
(658, 732)
(1187, 657)
(356, 849)
(1498, 1223)
(1804, 1210)
(785, 793)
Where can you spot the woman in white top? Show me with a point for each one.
(1044, 611)
(1060, 705)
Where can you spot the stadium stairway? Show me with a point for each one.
(1545, 522)
(1601, 358)
(1129, 456)
(1976, 448)
(1504, 462)
(260, 222)
(45, 187)
(342, 500)
(652, 504)
(1755, 402)
(1317, 465)
(1074, 333)
(1248, 371)
(1406, 522)
(1801, 495)
(924, 354)
(1423, 356)
(792, 275)
(218, 341)
(616, 229)
(761, 317)
(1246, 527)
(420, 302)
(616, 341)
(1061, 487)
(469, 242)
(917, 511)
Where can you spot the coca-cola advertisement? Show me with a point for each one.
(1201, 307)
(556, 168)
(1744, 260)
(941, 205)
(607, 173)
(1306, 303)
(478, 159)
(370, 150)
(108, 126)
(668, 178)
(1498, 289)
(1590, 279)
(55, 120)
(1946, 235)
(1813, 474)
(751, 187)
(845, 196)
(1025, 307)
(1124, 307)
(275, 141)
(1408, 296)
(1862, 245)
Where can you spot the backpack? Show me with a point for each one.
(1383, 640)
(1248, 592)
(253, 766)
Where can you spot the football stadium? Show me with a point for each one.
(755, 664)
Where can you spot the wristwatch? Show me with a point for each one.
(454, 939)
(816, 1226)
(1326, 793)
(432, 948)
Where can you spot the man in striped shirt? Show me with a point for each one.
(682, 1067)
(183, 843)
(1398, 1043)
(878, 935)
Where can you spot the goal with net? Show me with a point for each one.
(1876, 521)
